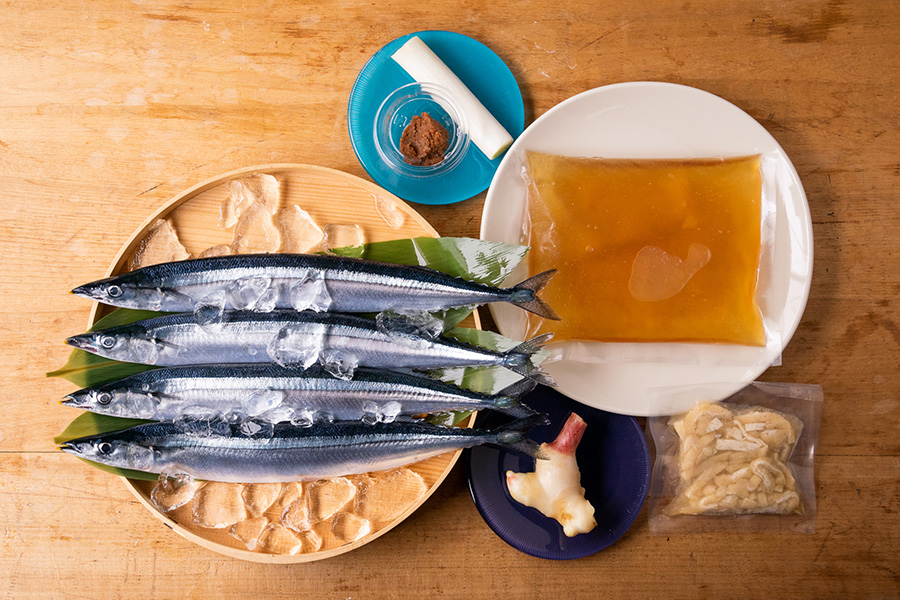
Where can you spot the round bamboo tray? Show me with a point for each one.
(329, 196)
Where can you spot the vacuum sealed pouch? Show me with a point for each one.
(744, 464)
(650, 250)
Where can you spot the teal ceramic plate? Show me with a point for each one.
(482, 71)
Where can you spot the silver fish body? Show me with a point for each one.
(291, 453)
(167, 394)
(300, 281)
(295, 338)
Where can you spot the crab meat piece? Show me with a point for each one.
(554, 487)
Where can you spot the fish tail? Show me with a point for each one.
(519, 359)
(525, 295)
(512, 436)
(516, 410)
(508, 400)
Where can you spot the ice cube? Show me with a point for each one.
(138, 406)
(201, 423)
(348, 527)
(264, 189)
(245, 292)
(257, 428)
(296, 514)
(139, 458)
(279, 414)
(267, 301)
(173, 491)
(303, 418)
(389, 411)
(220, 250)
(241, 197)
(384, 496)
(339, 236)
(294, 346)
(413, 322)
(142, 351)
(328, 496)
(228, 215)
(234, 417)
(279, 540)
(258, 497)
(255, 232)
(384, 413)
(340, 363)
(249, 530)
(262, 401)
(219, 505)
(310, 293)
(299, 233)
(160, 245)
(208, 310)
(389, 211)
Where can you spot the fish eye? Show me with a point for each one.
(104, 398)
(113, 291)
(107, 341)
(104, 448)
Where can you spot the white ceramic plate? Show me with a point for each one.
(659, 120)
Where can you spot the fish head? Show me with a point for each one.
(116, 402)
(97, 342)
(127, 344)
(86, 399)
(115, 291)
(112, 449)
(99, 449)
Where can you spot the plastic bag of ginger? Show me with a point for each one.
(743, 464)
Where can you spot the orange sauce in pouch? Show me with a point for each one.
(647, 250)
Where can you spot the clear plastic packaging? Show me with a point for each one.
(745, 464)
(676, 266)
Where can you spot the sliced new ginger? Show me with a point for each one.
(734, 461)
(554, 487)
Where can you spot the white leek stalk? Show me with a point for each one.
(424, 66)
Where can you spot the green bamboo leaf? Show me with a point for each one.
(85, 369)
(123, 316)
(487, 380)
(476, 260)
(88, 423)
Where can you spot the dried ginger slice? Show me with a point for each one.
(733, 461)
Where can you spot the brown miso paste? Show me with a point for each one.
(647, 250)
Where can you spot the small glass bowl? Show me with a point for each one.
(395, 114)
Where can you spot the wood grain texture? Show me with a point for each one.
(110, 109)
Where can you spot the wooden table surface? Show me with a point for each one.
(108, 109)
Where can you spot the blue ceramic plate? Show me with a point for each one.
(615, 471)
(483, 72)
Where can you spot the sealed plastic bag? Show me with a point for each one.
(745, 464)
(660, 250)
